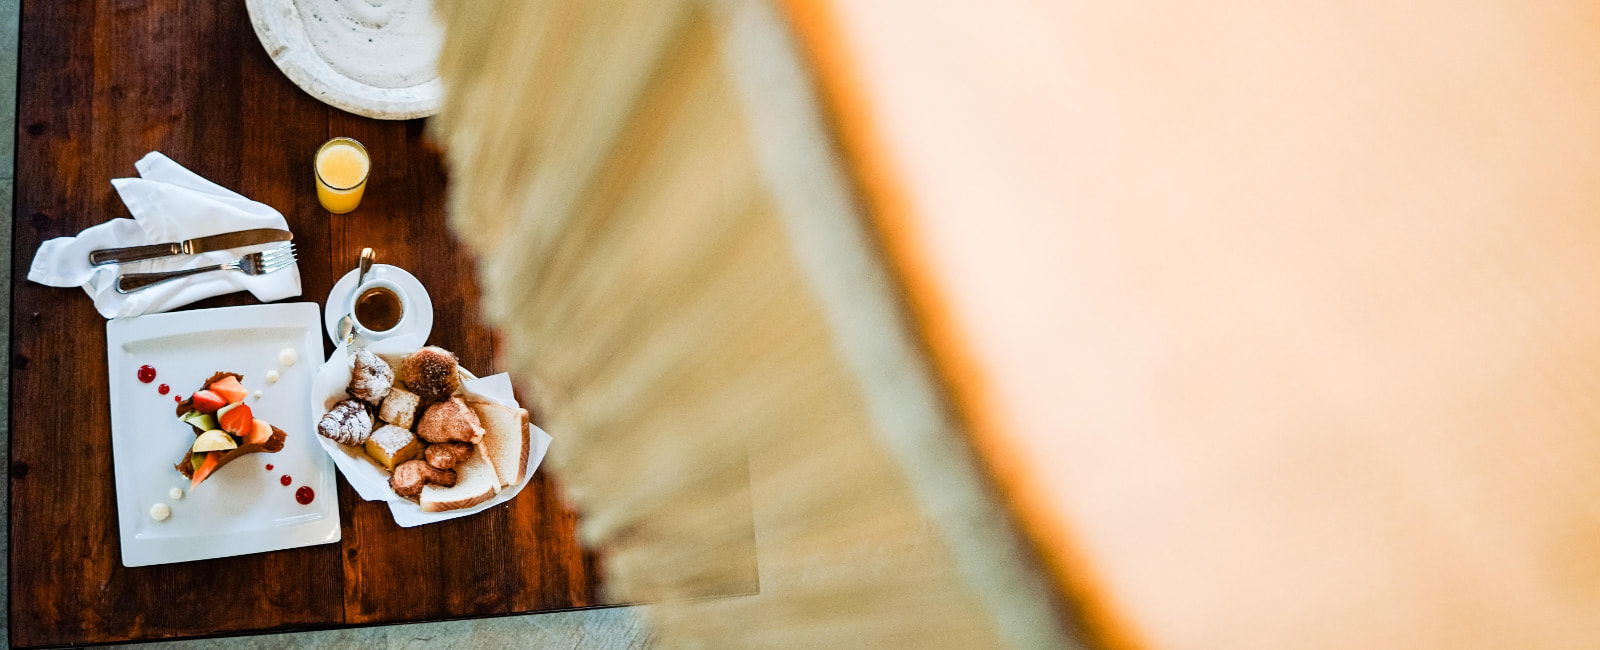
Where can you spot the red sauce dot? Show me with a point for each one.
(147, 373)
(164, 389)
(269, 467)
(177, 399)
(285, 480)
(304, 495)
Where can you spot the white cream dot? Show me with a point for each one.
(272, 376)
(288, 356)
(176, 494)
(160, 512)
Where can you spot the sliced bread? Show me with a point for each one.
(505, 440)
(475, 483)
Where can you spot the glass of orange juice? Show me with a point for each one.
(342, 165)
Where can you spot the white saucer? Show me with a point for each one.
(418, 323)
(372, 58)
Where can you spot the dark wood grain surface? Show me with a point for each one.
(103, 83)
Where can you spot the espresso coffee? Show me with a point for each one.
(378, 309)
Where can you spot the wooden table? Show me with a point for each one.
(103, 83)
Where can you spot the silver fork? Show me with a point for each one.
(260, 263)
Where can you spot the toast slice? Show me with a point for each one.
(475, 483)
(505, 440)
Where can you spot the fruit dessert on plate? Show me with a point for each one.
(442, 449)
(224, 428)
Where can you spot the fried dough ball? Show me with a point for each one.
(450, 421)
(431, 373)
(410, 476)
(446, 455)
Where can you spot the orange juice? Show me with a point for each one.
(342, 166)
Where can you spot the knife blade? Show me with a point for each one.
(190, 246)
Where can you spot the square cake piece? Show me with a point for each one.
(392, 445)
(399, 408)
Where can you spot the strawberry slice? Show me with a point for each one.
(206, 401)
(206, 468)
(229, 389)
(237, 419)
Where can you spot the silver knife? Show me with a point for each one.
(190, 247)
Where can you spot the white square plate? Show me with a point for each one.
(242, 508)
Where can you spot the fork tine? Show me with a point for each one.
(277, 252)
(278, 264)
(286, 253)
(266, 258)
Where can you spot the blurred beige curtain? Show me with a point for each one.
(1270, 325)
(685, 280)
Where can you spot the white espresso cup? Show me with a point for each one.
(370, 313)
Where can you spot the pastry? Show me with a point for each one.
(505, 440)
(447, 455)
(431, 373)
(370, 378)
(450, 421)
(391, 445)
(409, 478)
(224, 428)
(475, 483)
(348, 422)
(400, 407)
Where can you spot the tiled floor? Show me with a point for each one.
(10, 11)
(605, 629)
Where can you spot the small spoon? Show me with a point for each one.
(347, 331)
(347, 326)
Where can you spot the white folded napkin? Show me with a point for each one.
(169, 204)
